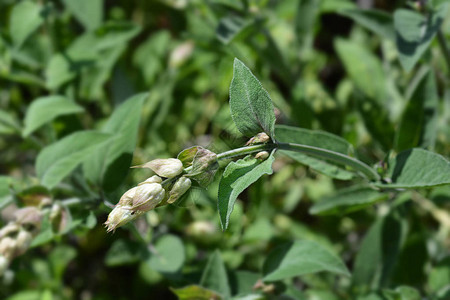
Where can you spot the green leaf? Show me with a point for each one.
(415, 33)
(124, 252)
(299, 258)
(196, 292)
(59, 159)
(109, 166)
(167, 255)
(319, 139)
(417, 168)
(26, 17)
(229, 27)
(363, 67)
(44, 109)
(8, 123)
(250, 104)
(377, 21)
(306, 17)
(215, 277)
(402, 293)
(88, 12)
(439, 276)
(347, 200)
(235, 179)
(59, 258)
(378, 252)
(418, 125)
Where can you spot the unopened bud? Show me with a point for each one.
(127, 198)
(180, 187)
(10, 229)
(119, 216)
(169, 167)
(147, 197)
(29, 217)
(23, 241)
(181, 53)
(4, 263)
(8, 247)
(262, 155)
(153, 179)
(260, 138)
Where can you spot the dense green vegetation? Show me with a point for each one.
(346, 195)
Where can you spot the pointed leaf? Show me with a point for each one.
(235, 179)
(88, 12)
(215, 276)
(109, 167)
(44, 109)
(299, 258)
(377, 21)
(317, 139)
(59, 159)
(250, 104)
(26, 17)
(415, 33)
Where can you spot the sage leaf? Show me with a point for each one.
(44, 109)
(26, 17)
(88, 12)
(235, 179)
(299, 258)
(59, 159)
(250, 104)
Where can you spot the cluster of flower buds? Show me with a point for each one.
(16, 236)
(151, 193)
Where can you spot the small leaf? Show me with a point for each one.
(215, 277)
(347, 200)
(44, 109)
(59, 159)
(377, 21)
(110, 165)
(299, 258)
(187, 156)
(319, 139)
(416, 168)
(415, 33)
(235, 179)
(88, 12)
(229, 27)
(168, 255)
(196, 292)
(250, 104)
(364, 68)
(418, 126)
(26, 17)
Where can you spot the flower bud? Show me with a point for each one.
(120, 216)
(8, 247)
(147, 196)
(29, 217)
(180, 187)
(23, 241)
(153, 179)
(263, 155)
(127, 198)
(4, 263)
(169, 167)
(180, 54)
(260, 138)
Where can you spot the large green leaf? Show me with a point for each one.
(88, 12)
(378, 252)
(416, 168)
(319, 139)
(418, 126)
(377, 21)
(59, 159)
(347, 200)
(109, 167)
(363, 67)
(44, 109)
(215, 276)
(250, 104)
(299, 258)
(168, 254)
(26, 17)
(235, 179)
(415, 33)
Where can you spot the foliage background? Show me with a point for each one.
(323, 70)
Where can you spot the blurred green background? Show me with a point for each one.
(327, 66)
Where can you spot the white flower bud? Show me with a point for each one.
(127, 198)
(10, 228)
(8, 247)
(147, 196)
(153, 179)
(23, 241)
(120, 216)
(263, 155)
(169, 167)
(4, 263)
(180, 187)
(181, 53)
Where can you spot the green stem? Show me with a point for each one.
(444, 49)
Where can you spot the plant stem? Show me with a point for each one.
(444, 49)
(321, 153)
